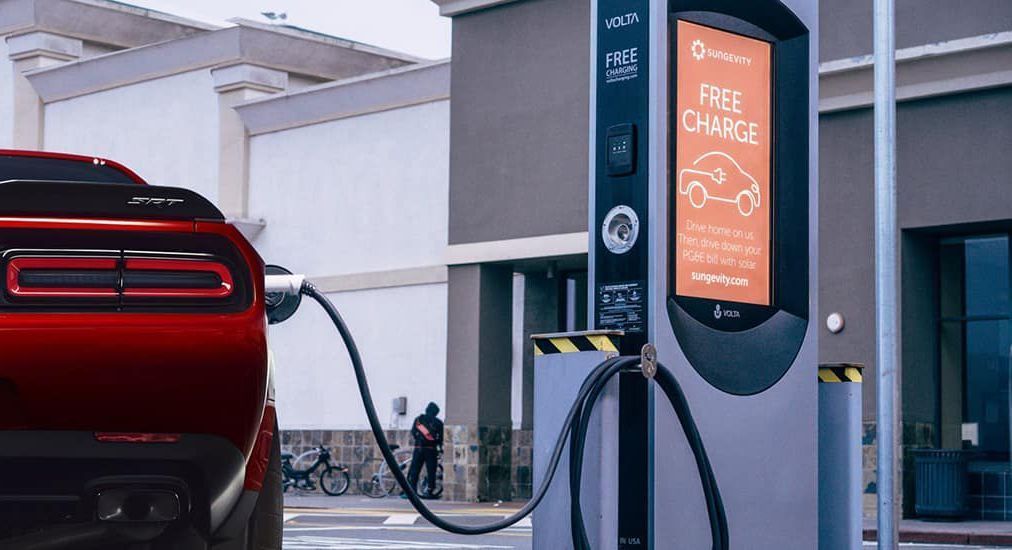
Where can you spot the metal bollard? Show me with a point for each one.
(561, 363)
(840, 515)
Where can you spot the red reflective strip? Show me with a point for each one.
(425, 431)
(260, 457)
(136, 437)
(145, 264)
(17, 265)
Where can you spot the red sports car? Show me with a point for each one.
(136, 404)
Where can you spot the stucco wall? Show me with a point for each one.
(165, 129)
(355, 195)
(6, 96)
(401, 333)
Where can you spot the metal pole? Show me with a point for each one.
(886, 273)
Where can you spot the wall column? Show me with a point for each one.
(541, 315)
(236, 84)
(479, 430)
(30, 51)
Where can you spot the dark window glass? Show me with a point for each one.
(975, 312)
(46, 169)
(987, 276)
(987, 383)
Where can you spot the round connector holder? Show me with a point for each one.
(280, 306)
(620, 229)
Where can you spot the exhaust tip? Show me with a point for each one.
(133, 505)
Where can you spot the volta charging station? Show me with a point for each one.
(702, 223)
(702, 273)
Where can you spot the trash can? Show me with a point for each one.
(940, 477)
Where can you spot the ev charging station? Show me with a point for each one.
(703, 227)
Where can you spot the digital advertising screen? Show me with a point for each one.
(721, 189)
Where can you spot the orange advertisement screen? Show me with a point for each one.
(720, 189)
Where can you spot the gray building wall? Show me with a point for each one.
(518, 122)
(954, 171)
(518, 160)
(846, 29)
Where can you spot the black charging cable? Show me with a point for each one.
(574, 426)
(711, 493)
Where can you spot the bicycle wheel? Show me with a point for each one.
(372, 487)
(387, 481)
(334, 481)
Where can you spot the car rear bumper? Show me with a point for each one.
(53, 478)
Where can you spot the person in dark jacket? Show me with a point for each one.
(427, 432)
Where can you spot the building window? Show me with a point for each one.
(974, 343)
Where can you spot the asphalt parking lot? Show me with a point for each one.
(390, 524)
(356, 522)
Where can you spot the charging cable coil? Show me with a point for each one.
(574, 428)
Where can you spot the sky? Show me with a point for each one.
(410, 26)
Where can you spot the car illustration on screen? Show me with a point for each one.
(715, 176)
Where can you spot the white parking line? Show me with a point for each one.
(320, 543)
(401, 519)
(526, 522)
(287, 517)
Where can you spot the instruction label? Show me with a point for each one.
(721, 189)
(621, 306)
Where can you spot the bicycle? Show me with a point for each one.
(334, 479)
(382, 483)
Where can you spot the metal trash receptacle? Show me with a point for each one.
(941, 478)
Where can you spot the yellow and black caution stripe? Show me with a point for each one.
(841, 373)
(547, 345)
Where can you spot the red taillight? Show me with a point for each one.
(136, 437)
(131, 278)
(168, 278)
(63, 277)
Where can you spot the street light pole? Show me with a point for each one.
(886, 273)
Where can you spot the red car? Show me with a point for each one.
(136, 403)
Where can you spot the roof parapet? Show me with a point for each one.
(309, 34)
(266, 47)
(388, 90)
(100, 21)
(450, 8)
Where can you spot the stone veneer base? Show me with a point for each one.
(486, 464)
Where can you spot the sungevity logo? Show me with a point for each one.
(622, 20)
(159, 202)
(700, 52)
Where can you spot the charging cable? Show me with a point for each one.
(574, 427)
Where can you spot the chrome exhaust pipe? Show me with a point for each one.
(134, 505)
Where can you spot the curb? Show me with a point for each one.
(944, 537)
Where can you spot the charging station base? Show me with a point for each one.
(559, 369)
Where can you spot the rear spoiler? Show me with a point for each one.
(103, 200)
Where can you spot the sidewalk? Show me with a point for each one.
(992, 533)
